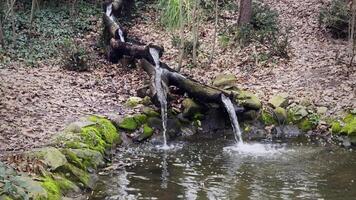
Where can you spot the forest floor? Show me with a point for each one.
(36, 103)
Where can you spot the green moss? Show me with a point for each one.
(147, 131)
(65, 185)
(150, 112)
(336, 127)
(248, 99)
(92, 137)
(107, 130)
(129, 124)
(5, 197)
(73, 158)
(349, 117)
(267, 118)
(52, 188)
(140, 118)
(306, 125)
(350, 127)
(77, 174)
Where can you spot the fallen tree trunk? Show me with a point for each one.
(203, 93)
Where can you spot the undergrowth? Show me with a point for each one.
(263, 29)
(53, 24)
(335, 17)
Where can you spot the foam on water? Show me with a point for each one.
(256, 149)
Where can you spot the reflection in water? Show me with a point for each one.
(202, 170)
(165, 173)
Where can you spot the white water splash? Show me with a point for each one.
(233, 118)
(161, 94)
(121, 34)
(257, 149)
(109, 12)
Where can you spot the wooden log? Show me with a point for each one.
(203, 93)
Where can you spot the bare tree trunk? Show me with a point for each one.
(245, 12)
(215, 32)
(33, 8)
(2, 41)
(195, 31)
(180, 61)
(352, 32)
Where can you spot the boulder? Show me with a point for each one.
(133, 101)
(225, 81)
(128, 123)
(280, 114)
(297, 112)
(147, 132)
(190, 108)
(140, 118)
(278, 101)
(52, 157)
(150, 112)
(247, 99)
(321, 110)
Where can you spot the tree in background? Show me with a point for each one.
(245, 12)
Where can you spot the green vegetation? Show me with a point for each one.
(53, 23)
(74, 56)
(170, 12)
(335, 18)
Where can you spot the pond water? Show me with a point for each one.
(217, 169)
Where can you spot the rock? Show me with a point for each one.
(280, 114)
(173, 127)
(350, 127)
(84, 158)
(33, 188)
(190, 108)
(106, 129)
(147, 132)
(51, 156)
(224, 81)
(288, 131)
(78, 175)
(278, 101)
(140, 118)
(321, 110)
(143, 91)
(267, 118)
(134, 101)
(250, 115)
(76, 127)
(247, 99)
(336, 127)
(306, 125)
(128, 123)
(297, 113)
(150, 112)
(155, 122)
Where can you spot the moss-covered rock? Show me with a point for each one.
(280, 114)
(134, 101)
(350, 127)
(147, 132)
(84, 158)
(91, 136)
(140, 118)
(225, 81)
(336, 127)
(155, 122)
(297, 113)
(247, 99)
(191, 108)
(278, 101)
(76, 174)
(128, 123)
(306, 125)
(106, 129)
(52, 157)
(52, 188)
(32, 189)
(150, 112)
(267, 118)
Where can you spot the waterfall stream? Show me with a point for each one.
(161, 94)
(233, 118)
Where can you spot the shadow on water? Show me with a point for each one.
(218, 169)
